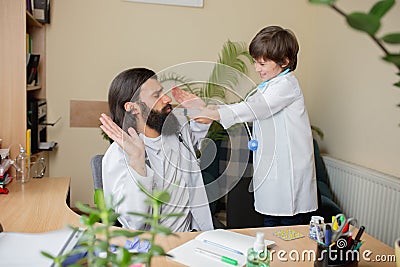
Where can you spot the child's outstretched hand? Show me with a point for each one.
(207, 115)
(187, 100)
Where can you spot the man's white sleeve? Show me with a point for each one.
(122, 182)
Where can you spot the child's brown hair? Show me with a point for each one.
(276, 44)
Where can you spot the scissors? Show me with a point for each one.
(342, 226)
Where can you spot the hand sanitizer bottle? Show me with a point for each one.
(24, 165)
(258, 255)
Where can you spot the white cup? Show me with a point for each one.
(397, 251)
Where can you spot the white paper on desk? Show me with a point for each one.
(186, 254)
(23, 249)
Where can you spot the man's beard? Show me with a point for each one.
(163, 122)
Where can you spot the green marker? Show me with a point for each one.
(217, 256)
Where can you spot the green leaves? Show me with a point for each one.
(392, 38)
(125, 233)
(381, 8)
(393, 58)
(99, 199)
(161, 196)
(230, 55)
(370, 22)
(322, 2)
(97, 236)
(364, 22)
(162, 229)
(226, 73)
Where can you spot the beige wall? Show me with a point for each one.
(347, 87)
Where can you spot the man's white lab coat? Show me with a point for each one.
(120, 180)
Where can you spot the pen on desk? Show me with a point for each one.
(358, 236)
(223, 247)
(217, 256)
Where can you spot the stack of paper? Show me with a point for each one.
(221, 242)
(23, 249)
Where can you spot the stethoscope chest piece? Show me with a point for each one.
(253, 145)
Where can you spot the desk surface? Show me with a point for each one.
(39, 206)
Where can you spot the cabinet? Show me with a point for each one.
(15, 22)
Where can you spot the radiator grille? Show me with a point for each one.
(370, 196)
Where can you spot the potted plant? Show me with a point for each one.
(95, 247)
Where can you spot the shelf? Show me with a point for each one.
(30, 20)
(47, 146)
(33, 87)
(13, 82)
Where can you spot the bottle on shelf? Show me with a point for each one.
(258, 255)
(23, 166)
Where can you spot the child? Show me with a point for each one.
(285, 188)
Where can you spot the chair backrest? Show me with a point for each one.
(95, 164)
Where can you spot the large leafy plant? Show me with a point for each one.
(370, 23)
(231, 62)
(225, 74)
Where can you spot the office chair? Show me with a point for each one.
(96, 166)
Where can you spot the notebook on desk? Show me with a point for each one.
(220, 242)
(24, 249)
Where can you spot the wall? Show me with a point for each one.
(89, 42)
(353, 99)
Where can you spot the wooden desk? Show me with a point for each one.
(39, 206)
(301, 245)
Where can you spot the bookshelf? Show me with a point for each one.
(15, 22)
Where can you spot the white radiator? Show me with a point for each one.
(370, 196)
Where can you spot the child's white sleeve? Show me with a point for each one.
(259, 106)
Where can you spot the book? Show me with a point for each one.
(222, 242)
(27, 43)
(32, 68)
(41, 10)
(28, 50)
(29, 6)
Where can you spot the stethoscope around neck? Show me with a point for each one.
(180, 138)
(253, 143)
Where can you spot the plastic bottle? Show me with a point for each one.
(317, 228)
(258, 255)
(23, 162)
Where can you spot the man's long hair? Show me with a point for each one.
(126, 88)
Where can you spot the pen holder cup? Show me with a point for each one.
(335, 257)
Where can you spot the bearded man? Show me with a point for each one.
(153, 150)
